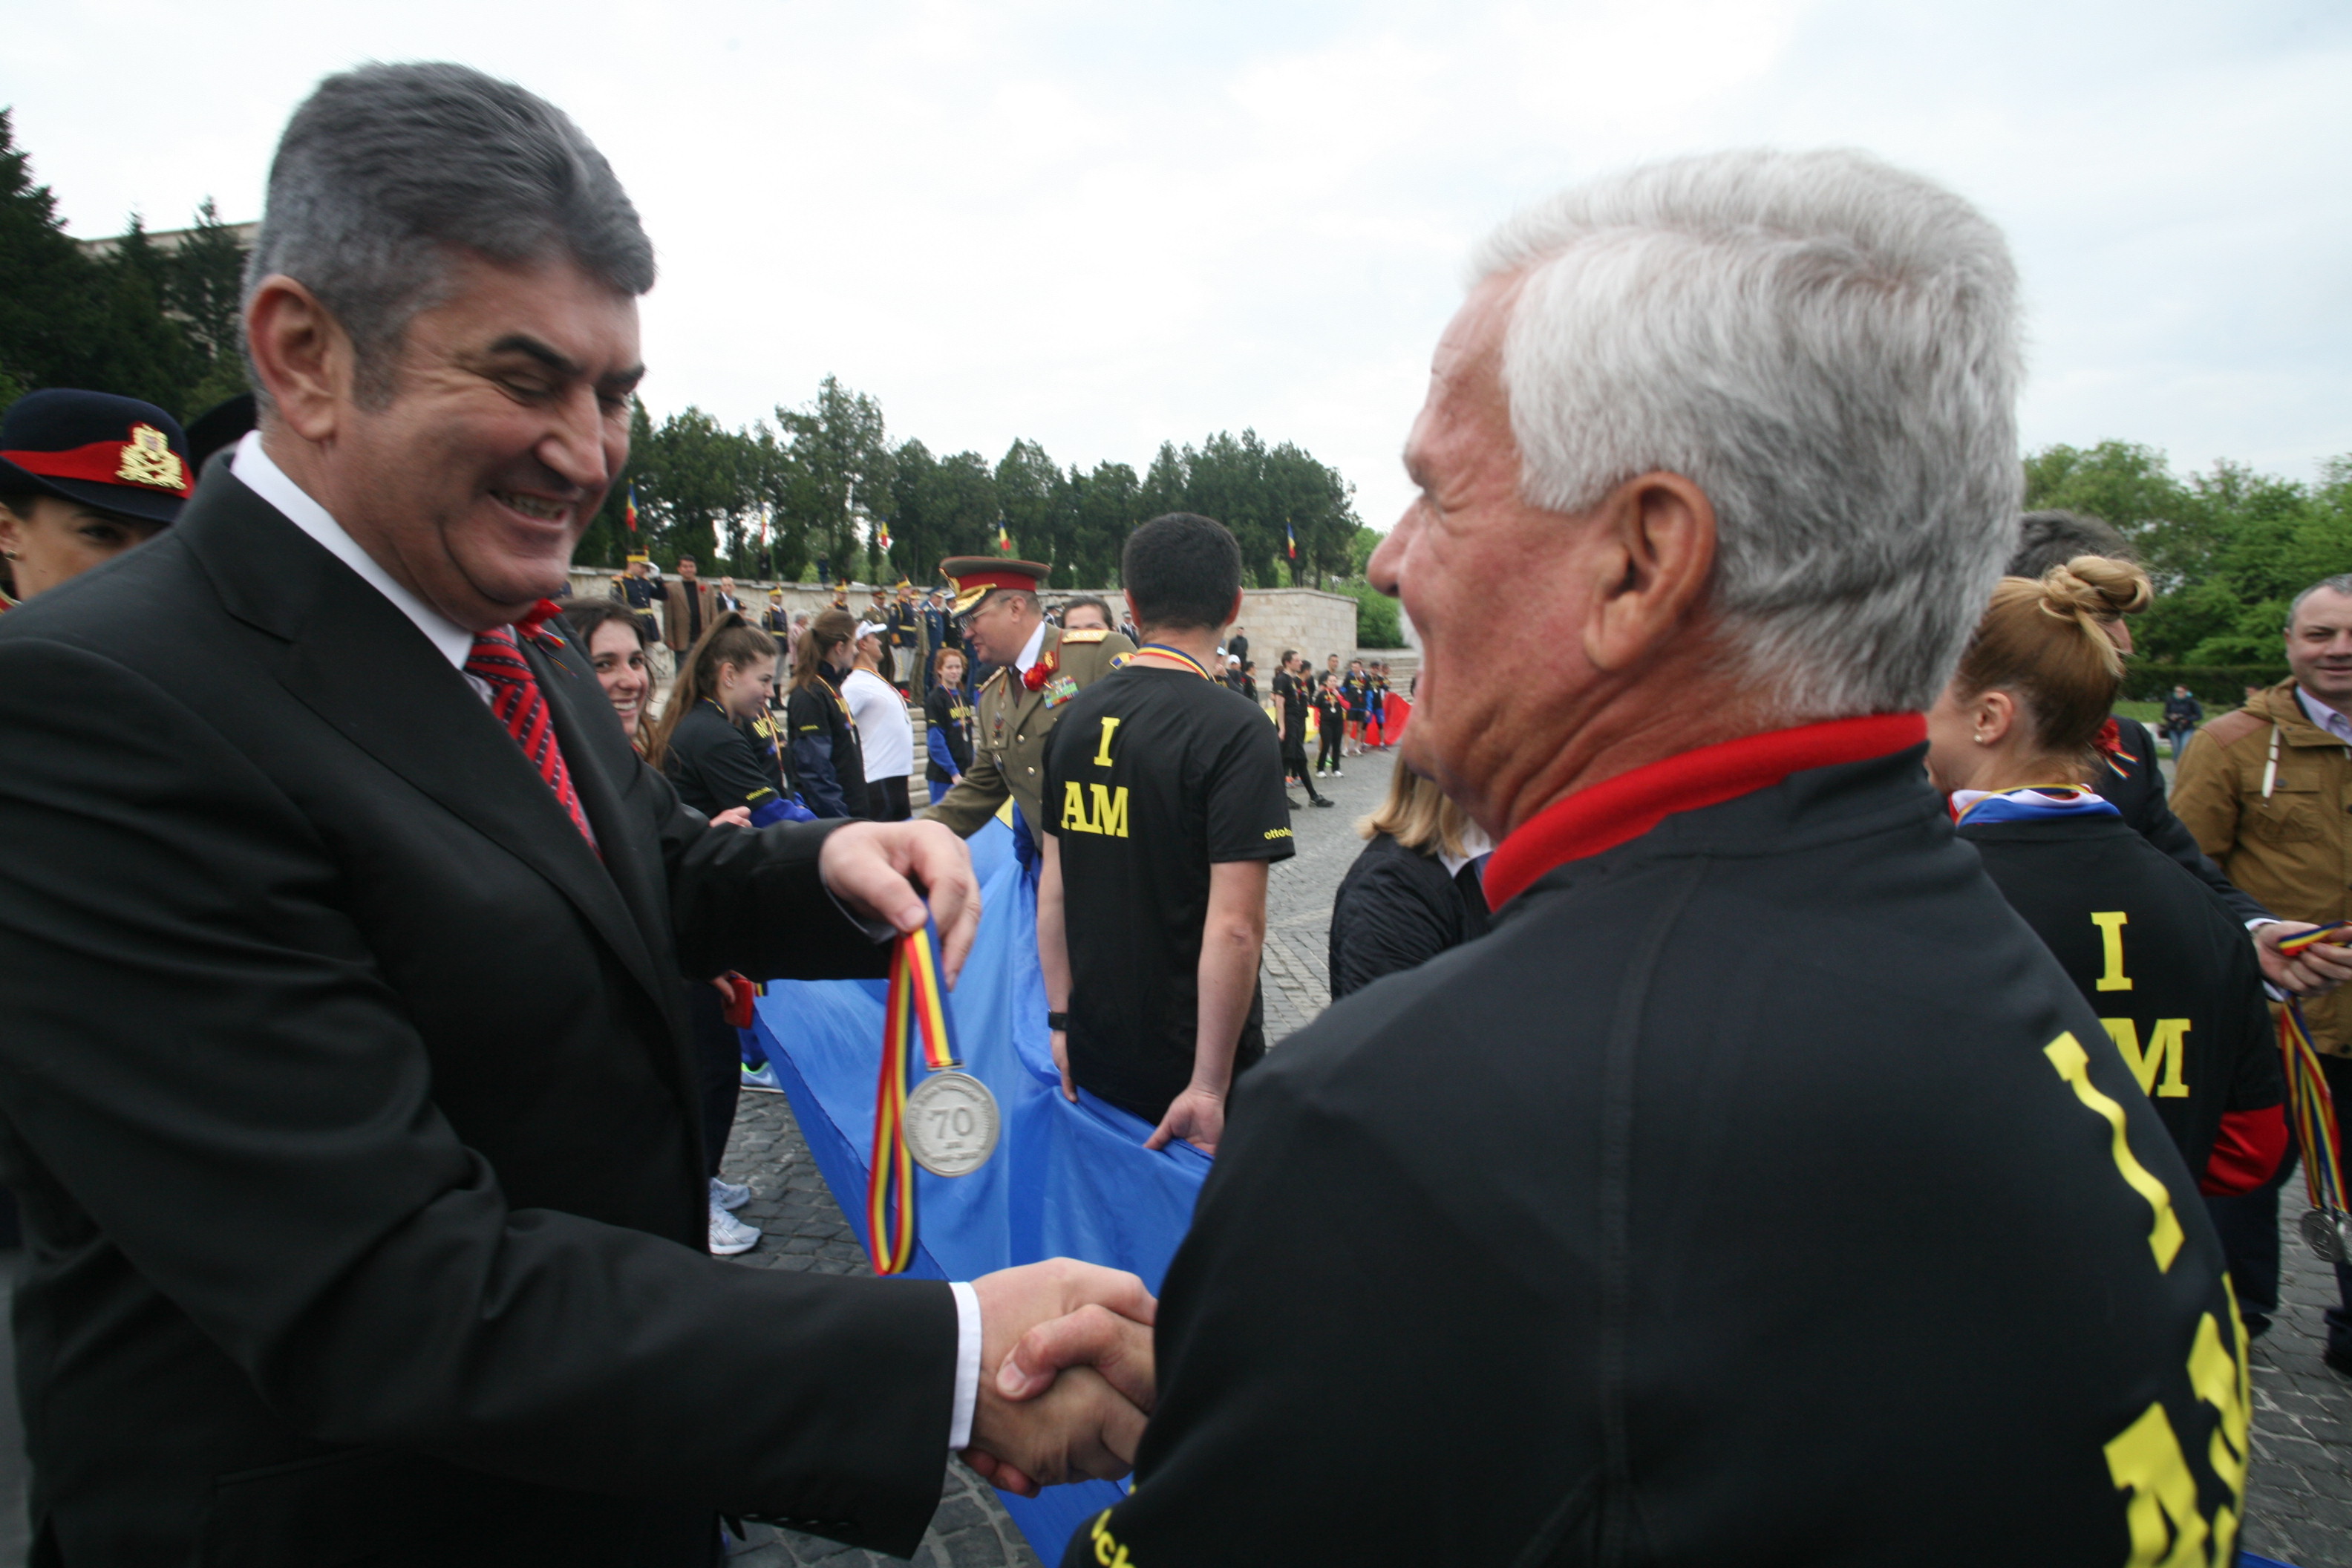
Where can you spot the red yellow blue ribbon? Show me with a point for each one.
(915, 1013)
(2310, 1105)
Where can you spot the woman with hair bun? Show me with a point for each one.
(2159, 957)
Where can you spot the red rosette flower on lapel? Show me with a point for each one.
(1042, 671)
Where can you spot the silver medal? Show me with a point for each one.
(2329, 1233)
(951, 1124)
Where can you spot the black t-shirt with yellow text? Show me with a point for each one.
(1152, 775)
(2167, 968)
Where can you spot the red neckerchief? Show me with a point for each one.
(1617, 811)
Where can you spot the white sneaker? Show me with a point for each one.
(762, 1077)
(729, 1235)
(728, 1195)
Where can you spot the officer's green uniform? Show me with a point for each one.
(1008, 738)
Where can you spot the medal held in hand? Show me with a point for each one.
(947, 1123)
(2327, 1227)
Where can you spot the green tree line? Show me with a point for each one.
(144, 321)
(2229, 549)
(823, 485)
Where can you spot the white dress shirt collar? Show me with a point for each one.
(1035, 648)
(2326, 718)
(264, 478)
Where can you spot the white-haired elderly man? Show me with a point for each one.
(344, 1079)
(1759, 1191)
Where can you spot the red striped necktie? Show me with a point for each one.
(521, 707)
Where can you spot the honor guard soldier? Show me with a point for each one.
(904, 626)
(84, 476)
(1040, 667)
(634, 588)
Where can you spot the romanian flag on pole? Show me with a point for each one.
(1287, 534)
(1004, 541)
(882, 536)
(629, 507)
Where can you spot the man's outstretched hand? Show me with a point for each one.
(1065, 1374)
(2317, 970)
(874, 868)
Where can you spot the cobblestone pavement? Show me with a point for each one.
(2299, 1487)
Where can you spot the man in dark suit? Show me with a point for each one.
(345, 1080)
(1794, 1208)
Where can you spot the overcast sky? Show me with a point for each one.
(1102, 225)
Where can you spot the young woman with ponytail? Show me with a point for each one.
(701, 739)
(827, 761)
(2165, 966)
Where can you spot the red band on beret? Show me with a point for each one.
(105, 463)
(996, 577)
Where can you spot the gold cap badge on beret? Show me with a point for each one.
(148, 459)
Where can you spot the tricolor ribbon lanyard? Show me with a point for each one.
(917, 1009)
(2328, 1226)
(1194, 665)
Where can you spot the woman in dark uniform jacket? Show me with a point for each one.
(947, 723)
(827, 761)
(2168, 969)
(722, 684)
(1413, 892)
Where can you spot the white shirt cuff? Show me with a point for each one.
(967, 1385)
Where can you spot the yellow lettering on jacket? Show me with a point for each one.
(2110, 924)
(2167, 1530)
(2165, 1236)
(1102, 753)
(2166, 1046)
(2148, 1464)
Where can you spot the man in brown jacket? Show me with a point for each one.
(2267, 790)
(687, 607)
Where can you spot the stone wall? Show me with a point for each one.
(1316, 622)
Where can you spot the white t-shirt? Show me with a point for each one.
(883, 731)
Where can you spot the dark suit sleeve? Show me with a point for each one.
(2154, 818)
(215, 1070)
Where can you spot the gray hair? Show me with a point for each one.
(2339, 583)
(2047, 539)
(386, 170)
(1827, 346)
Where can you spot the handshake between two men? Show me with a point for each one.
(1065, 1374)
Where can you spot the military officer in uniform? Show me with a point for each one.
(634, 588)
(904, 644)
(1041, 668)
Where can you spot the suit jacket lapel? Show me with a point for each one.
(353, 658)
(600, 759)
